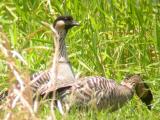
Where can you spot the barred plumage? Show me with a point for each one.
(40, 78)
(104, 93)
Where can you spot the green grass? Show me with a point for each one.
(115, 38)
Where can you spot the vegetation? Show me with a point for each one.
(115, 38)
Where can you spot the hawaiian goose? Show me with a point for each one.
(65, 75)
(102, 93)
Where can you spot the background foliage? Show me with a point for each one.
(116, 37)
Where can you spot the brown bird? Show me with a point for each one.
(60, 75)
(65, 75)
(102, 93)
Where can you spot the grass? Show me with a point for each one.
(115, 38)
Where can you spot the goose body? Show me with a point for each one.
(102, 93)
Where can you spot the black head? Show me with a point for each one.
(144, 93)
(142, 89)
(64, 22)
